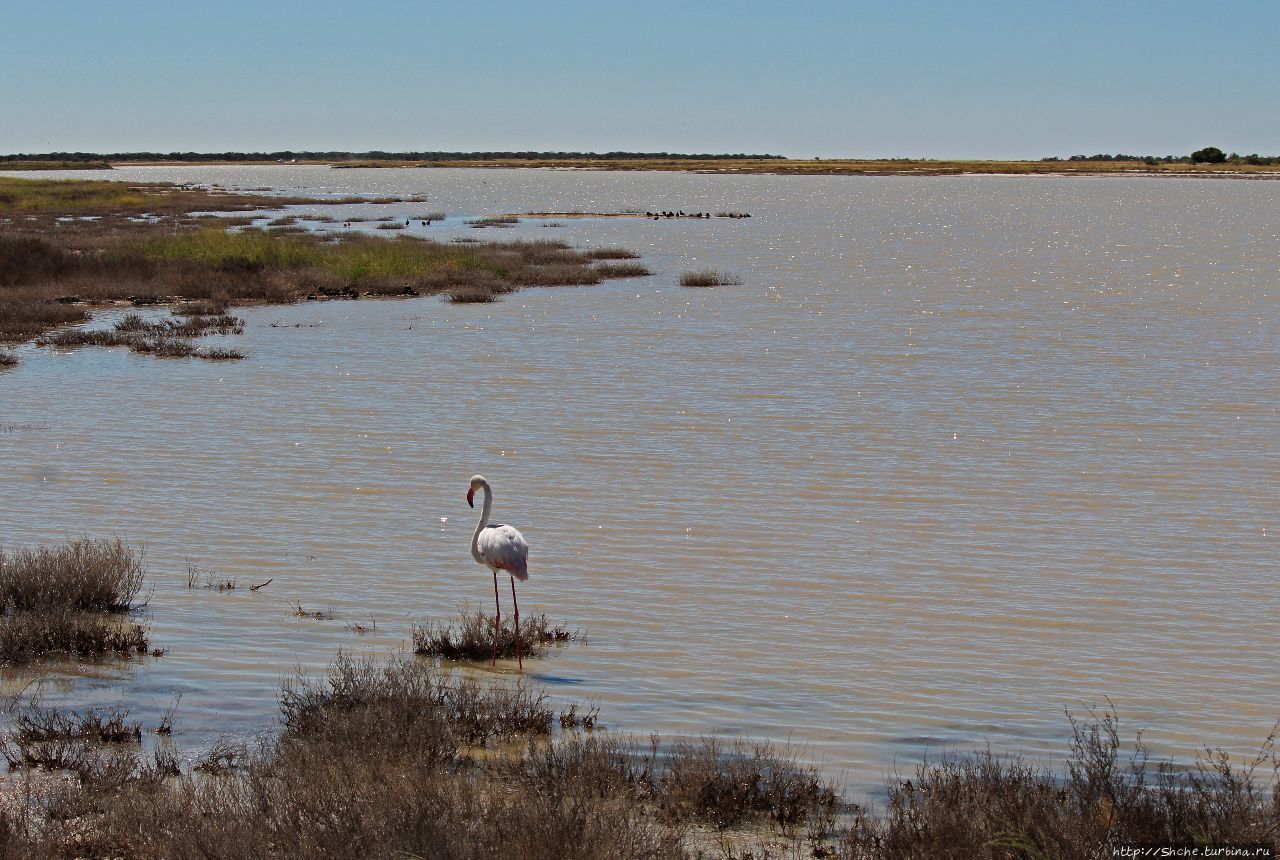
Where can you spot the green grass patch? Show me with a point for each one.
(67, 196)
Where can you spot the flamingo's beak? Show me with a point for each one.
(471, 494)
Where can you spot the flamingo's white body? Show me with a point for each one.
(498, 547)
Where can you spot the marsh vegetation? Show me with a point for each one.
(622, 270)
(986, 806)
(66, 247)
(397, 758)
(473, 636)
(73, 599)
(494, 221)
(709, 278)
(406, 757)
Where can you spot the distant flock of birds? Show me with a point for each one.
(425, 223)
(656, 216)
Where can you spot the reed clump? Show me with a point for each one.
(622, 270)
(471, 636)
(52, 725)
(555, 275)
(28, 312)
(104, 575)
(709, 278)
(194, 325)
(201, 308)
(493, 221)
(729, 783)
(147, 342)
(470, 296)
(611, 254)
(28, 636)
(217, 353)
(67, 599)
(56, 739)
(362, 693)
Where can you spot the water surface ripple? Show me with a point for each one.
(959, 453)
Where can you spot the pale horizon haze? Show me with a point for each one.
(918, 79)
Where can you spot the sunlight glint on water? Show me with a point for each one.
(960, 453)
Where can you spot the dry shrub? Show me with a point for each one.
(220, 354)
(622, 270)
(709, 278)
(27, 636)
(472, 636)
(984, 806)
(611, 254)
(62, 740)
(164, 348)
(26, 313)
(77, 337)
(145, 339)
(192, 326)
(24, 259)
(372, 762)
(542, 252)
(471, 296)
(201, 307)
(480, 280)
(494, 221)
(727, 785)
(472, 712)
(368, 764)
(78, 575)
(53, 600)
(555, 275)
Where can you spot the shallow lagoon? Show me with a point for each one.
(959, 453)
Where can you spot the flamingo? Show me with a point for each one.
(498, 547)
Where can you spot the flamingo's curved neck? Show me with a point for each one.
(484, 521)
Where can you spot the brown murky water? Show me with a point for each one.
(959, 453)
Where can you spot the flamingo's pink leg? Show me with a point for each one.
(519, 656)
(497, 618)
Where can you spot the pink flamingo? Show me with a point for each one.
(498, 547)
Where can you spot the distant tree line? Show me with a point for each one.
(1208, 155)
(374, 155)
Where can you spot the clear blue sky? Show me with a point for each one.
(924, 78)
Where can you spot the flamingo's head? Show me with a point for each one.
(477, 482)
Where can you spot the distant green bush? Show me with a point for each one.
(1209, 155)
